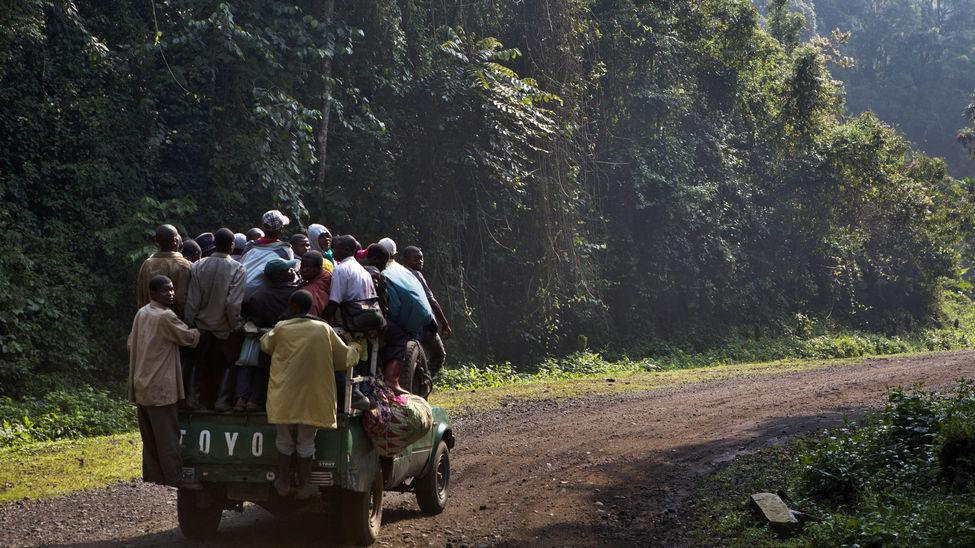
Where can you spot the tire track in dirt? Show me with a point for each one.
(596, 471)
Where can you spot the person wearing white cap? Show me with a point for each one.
(240, 242)
(389, 245)
(266, 249)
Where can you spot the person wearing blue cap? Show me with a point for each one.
(240, 242)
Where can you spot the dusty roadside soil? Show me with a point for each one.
(601, 471)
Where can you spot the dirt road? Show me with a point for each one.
(600, 471)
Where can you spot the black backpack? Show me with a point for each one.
(363, 315)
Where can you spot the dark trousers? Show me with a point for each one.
(394, 343)
(213, 359)
(159, 427)
(252, 383)
(433, 348)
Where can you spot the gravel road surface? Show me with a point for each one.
(612, 471)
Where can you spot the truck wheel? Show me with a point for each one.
(196, 522)
(431, 489)
(362, 513)
(414, 377)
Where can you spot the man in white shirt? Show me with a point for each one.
(350, 281)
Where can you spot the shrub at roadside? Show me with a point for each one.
(69, 413)
(905, 478)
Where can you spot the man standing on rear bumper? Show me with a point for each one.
(156, 381)
(305, 354)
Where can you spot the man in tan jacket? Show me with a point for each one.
(156, 382)
(169, 262)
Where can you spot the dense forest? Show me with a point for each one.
(911, 61)
(609, 171)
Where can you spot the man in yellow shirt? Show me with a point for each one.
(301, 397)
(155, 380)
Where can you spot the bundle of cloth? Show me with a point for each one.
(397, 420)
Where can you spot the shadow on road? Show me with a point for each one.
(646, 502)
(252, 527)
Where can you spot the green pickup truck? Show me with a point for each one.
(230, 458)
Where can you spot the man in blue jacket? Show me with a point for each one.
(265, 249)
(408, 313)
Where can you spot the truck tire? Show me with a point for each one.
(196, 521)
(415, 376)
(362, 513)
(431, 489)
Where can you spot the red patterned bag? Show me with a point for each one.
(397, 421)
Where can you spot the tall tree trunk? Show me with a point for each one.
(328, 10)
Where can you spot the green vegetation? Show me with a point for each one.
(889, 54)
(615, 170)
(807, 340)
(50, 469)
(61, 414)
(904, 478)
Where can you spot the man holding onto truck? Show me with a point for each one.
(350, 283)
(408, 313)
(156, 382)
(213, 305)
(305, 354)
(431, 339)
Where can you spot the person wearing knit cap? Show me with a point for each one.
(205, 241)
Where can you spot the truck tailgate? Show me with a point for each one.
(224, 438)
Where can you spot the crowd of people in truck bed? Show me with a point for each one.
(245, 323)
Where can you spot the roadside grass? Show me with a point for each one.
(471, 400)
(903, 476)
(48, 469)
